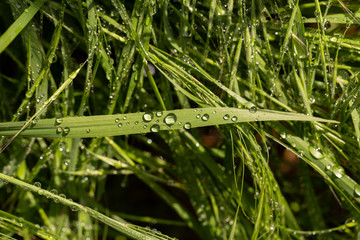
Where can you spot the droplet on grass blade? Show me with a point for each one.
(170, 119)
(155, 128)
(234, 118)
(338, 171)
(58, 120)
(316, 152)
(357, 190)
(205, 117)
(148, 116)
(226, 117)
(253, 109)
(187, 125)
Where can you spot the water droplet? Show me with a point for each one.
(338, 171)
(148, 116)
(198, 116)
(283, 135)
(252, 109)
(226, 117)
(59, 130)
(144, 126)
(327, 25)
(205, 117)
(136, 122)
(62, 195)
(234, 118)
(170, 119)
(214, 112)
(155, 128)
(311, 100)
(159, 113)
(88, 130)
(58, 120)
(357, 190)
(54, 191)
(187, 125)
(316, 152)
(40, 192)
(66, 130)
(120, 125)
(37, 184)
(117, 120)
(124, 117)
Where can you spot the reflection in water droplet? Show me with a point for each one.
(234, 118)
(205, 117)
(155, 128)
(338, 171)
(170, 119)
(136, 122)
(252, 109)
(187, 125)
(148, 116)
(40, 192)
(316, 152)
(144, 126)
(214, 112)
(226, 117)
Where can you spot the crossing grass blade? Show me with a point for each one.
(145, 122)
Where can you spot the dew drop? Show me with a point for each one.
(159, 113)
(155, 128)
(59, 130)
(66, 130)
(124, 117)
(187, 125)
(88, 130)
(117, 120)
(198, 116)
(62, 195)
(170, 119)
(234, 118)
(40, 192)
(205, 117)
(58, 120)
(214, 112)
(148, 116)
(283, 135)
(252, 109)
(226, 117)
(144, 126)
(37, 184)
(338, 171)
(315, 152)
(120, 125)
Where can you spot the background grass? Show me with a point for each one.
(67, 176)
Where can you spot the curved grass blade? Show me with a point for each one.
(19, 24)
(144, 122)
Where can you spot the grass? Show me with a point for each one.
(190, 120)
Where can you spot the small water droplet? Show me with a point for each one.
(226, 117)
(252, 109)
(40, 192)
(124, 117)
(187, 125)
(159, 113)
(117, 120)
(88, 130)
(338, 171)
(144, 126)
(214, 112)
(37, 184)
(283, 135)
(136, 122)
(59, 130)
(198, 116)
(170, 119)
(66, 130)
(234, 118)
(58, 120)
(119, 125)
(155, 128)
(357, 190)
(316, 152)
(205, 117)
(148, 116)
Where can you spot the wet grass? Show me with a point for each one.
(191, 120)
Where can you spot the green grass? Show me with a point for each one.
(179, 119)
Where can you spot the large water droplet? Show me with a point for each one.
(205, 117)
(252, 109)
(226, 117)
(148, 116)
(338, 171)
(170, 119)
(187, 125)
(316, 152)
(58, 120)
(155, 128)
